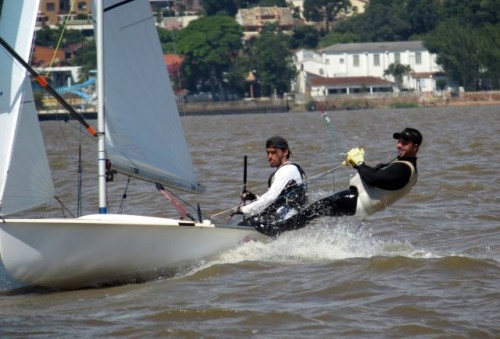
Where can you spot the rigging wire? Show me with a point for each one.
(337, 148)
(124, 196)
(64, 26)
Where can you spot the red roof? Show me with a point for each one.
(172, 59)
(42, 57)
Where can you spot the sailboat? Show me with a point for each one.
(139, 132)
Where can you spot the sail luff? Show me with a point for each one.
(144, 134)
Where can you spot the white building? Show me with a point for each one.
(366, 61)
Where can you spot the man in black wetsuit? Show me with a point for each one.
(372, 189)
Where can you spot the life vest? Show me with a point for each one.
(372, 199)
(293, 196)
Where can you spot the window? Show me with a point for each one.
(50, 7)
(376, 59)
(418, 58)
(397, 58)
(355, 60)
(341, 61)
(321, 71)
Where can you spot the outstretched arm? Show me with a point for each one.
(391, 177)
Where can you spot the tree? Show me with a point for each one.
(274, 67)
(489, 55)
(209, 46)
(457, 48)
(324, 10)
(86, 57)
(304, 37)
(398, 71)
(423, 15)
(220, 7)
(338, 38)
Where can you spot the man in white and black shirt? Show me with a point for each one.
(287, 190)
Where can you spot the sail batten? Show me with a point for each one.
(144, 134)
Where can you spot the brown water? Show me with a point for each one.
(427, 267)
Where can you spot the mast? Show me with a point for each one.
(101, 145)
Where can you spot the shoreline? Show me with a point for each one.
(264, 106)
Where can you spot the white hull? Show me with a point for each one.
(95, 249)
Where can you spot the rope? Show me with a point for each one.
(336, 144)
(124, 196)
(60, 37)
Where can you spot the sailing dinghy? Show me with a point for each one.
(140, 133)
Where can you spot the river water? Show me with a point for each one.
(429, 266)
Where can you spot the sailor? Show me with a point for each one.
(371, 189)
(287, 191)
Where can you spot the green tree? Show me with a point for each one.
(457, 48)
(423, 15)
(86, 57)
(49, 37)
(398, 71)
(167, 40)
(474, 13)
(273, 67)
(324, 10)
(209, 46)
(337, 38)
(304, 37)
(220, 7)
(384, 20)
(489, 55)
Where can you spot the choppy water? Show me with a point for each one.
(427, 267)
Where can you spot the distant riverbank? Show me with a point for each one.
(266, 105)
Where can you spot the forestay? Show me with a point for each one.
(25, 179)
(137, 142)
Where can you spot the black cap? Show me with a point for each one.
(409, 134)
(277, 142)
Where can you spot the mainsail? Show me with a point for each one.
(137, 111)
(25, 179)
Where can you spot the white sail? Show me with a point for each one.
(23, 160)
(106, 248)
(144, 135)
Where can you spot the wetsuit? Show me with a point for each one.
(386, 183)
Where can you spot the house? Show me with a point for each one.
(54, 12)
(358, 7)
(254, 19)
(366, 60)
(348, 85)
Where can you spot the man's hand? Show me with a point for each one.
(355, 157)
(236, 210)
(247, 196)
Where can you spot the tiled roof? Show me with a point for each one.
(42, 57)
(258, 16)
(171, 59)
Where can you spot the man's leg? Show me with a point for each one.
(338, 204)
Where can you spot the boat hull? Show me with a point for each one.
(98, 249)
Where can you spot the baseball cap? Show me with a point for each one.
(409, 134)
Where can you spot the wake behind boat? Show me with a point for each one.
(140, 133)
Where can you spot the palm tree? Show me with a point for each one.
(398, 71)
